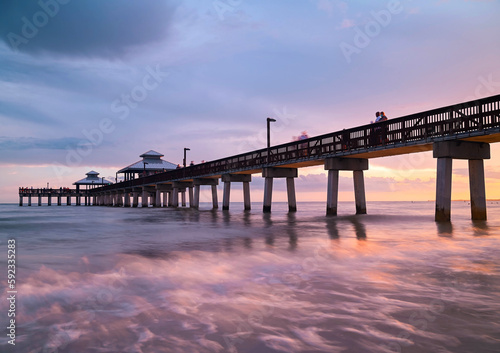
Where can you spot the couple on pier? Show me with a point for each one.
(380, 116)
(378, 135)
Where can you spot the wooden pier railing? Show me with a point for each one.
(465, 120)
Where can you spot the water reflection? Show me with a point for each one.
(445, 229)
(213, 285)
(359, 227)
(480, 228)
(331, 228)
(292, 230)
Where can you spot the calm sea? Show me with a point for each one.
(102, 279)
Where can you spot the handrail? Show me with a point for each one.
(59, 191)
(445, 122)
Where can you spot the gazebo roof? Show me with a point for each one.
(151, 161)
(151, 154)
(92, 179)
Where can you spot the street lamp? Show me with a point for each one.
(269, 121)
(145, 167)
(184, 160)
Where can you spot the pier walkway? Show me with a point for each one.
(461, 131)
(58, 194)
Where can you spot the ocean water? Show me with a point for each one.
(103, 279)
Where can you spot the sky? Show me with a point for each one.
(91, 85)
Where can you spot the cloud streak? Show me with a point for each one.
(108, 29)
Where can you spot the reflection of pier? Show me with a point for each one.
(462, 131)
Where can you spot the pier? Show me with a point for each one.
(461, 131)
(60, 196)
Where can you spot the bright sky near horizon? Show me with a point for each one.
(92, 85)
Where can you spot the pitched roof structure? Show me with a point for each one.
(151, 161)
(92, 179)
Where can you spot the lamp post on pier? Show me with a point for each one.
(269, 121)
(184, 160)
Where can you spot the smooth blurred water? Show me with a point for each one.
(102, 279)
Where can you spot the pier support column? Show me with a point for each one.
(269, 174)
(20, 200)
(166, 190)
(205, 181)
(78, 200)
(126, 195)
(246, 196)
(149, 196)
(268, 195)
(170, 198)
(477, 189)
(68, 200)
(228, 179)
(225, 195)
(39, 200)
(190, 195)
(58, 200)
(181, 188)
(175, 197)
(119, 196)
(158, 198)
(94, 200)
(332, 192)
(443, 189)
(196, 196)
(475, 153)
(357, 166)
(29, 200)
(290, 188)
(215, 200)
(49, 200)
(135, 197)
(152, 196)
(183, 197)
(359, 191)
